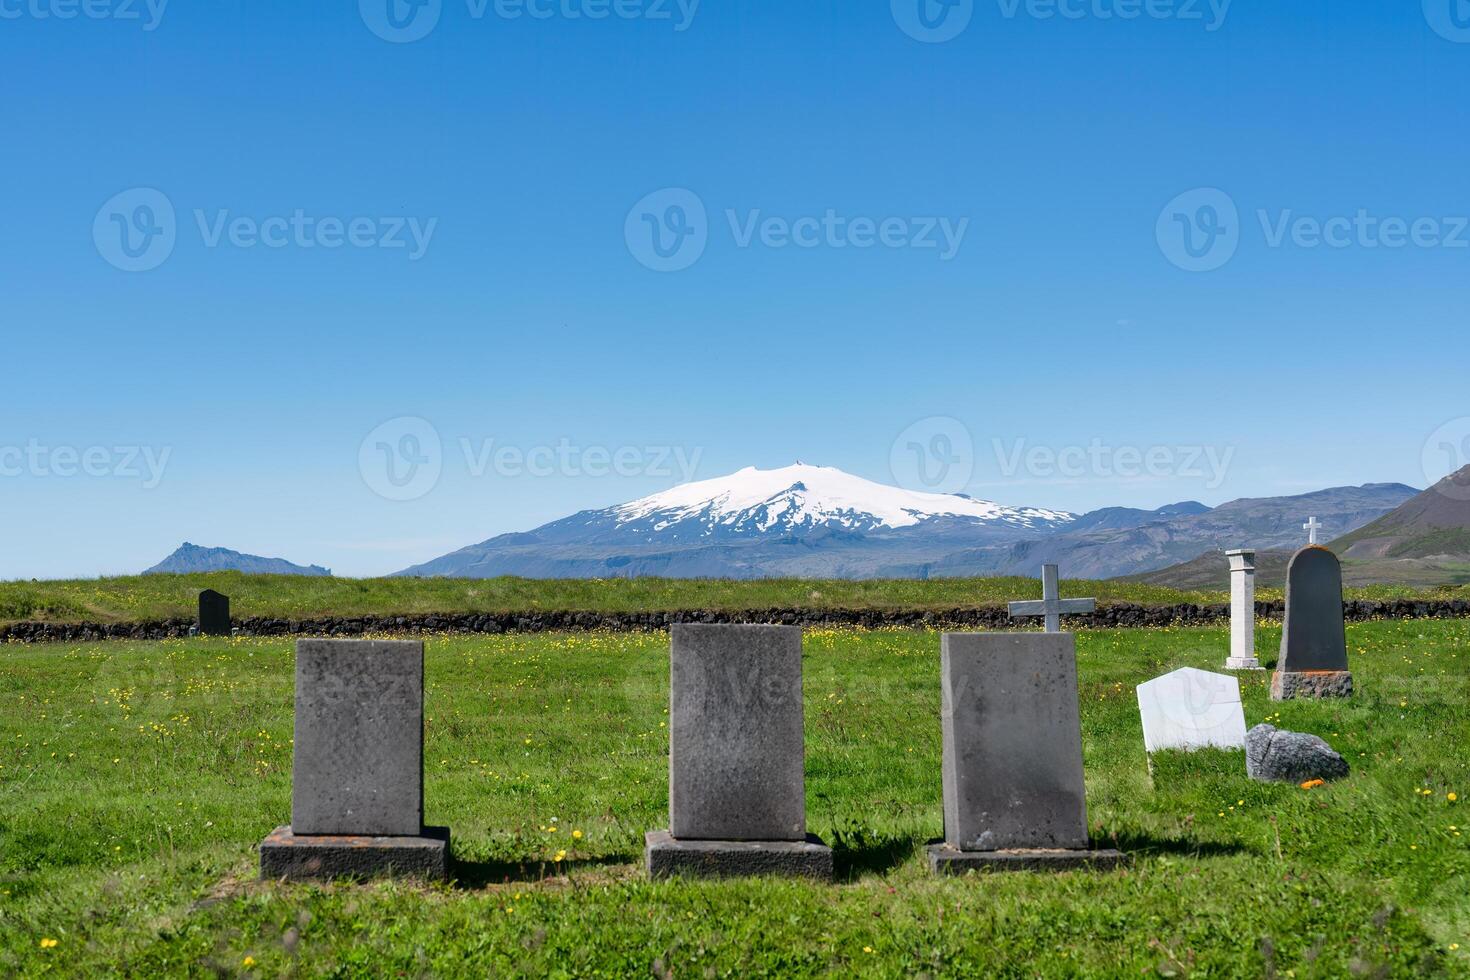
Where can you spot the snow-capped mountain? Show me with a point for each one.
(801, 498)
(795, 520)
(818, 522)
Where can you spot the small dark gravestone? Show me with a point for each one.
(357, 777)
(1014, 797)
(737, 790)
(1313, 661)
(214, 613)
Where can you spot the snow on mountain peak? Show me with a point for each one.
(805, 495)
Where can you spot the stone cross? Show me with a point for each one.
(737, 758)
(1052, 605)
(1312, 527)
(1242, 610)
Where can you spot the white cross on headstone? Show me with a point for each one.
(1312, 527)
(1052, 605)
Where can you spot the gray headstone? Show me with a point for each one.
(1313, 636)
(214, 613)
(359, 752)
(736, 754)
(1012, 742)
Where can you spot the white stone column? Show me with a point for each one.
(1242, 610)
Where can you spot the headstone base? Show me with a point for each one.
(944, 859)
(1288, 684)
(666, 857)
(1243, 663)
(297, 858)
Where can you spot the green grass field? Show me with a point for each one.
(137, 779)
(145, 597)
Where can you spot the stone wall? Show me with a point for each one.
(984, 618)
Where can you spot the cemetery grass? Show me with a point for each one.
(136, 780)
(155, 597)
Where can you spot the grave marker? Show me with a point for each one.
(737, 791)
(214, 613)
(1242, 610)
(1313, 661)
(1052, 605)
(357, 776)
(1013, 789)
(1191, 709)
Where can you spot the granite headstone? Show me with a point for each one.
(1012, 766)
(737, 792)
(214, 613)
(1313, 660)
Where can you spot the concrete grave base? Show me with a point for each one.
(1288, 684)
(1243, 663)
(666, 857)
(944, 859)
(295, 858)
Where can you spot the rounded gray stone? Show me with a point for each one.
(1275, 755)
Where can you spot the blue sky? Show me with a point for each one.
(368, 228)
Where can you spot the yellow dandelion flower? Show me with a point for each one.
(867, 949)
(577, 834)
(48, 943)
(1451, 797)
(248, 962)
(560, 855)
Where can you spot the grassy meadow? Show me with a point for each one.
(137, 778)
(151, 597)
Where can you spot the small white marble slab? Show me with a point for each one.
(1191, 709)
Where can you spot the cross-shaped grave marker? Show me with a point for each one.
(1312, 527)
(1052, 605)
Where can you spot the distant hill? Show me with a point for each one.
(1424, 541)
(192, 558)
(1434, 525)
(1264, 523)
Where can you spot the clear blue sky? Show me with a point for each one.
(527, 312)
